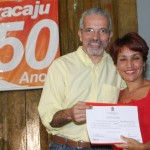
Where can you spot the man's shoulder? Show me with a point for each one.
(108, 58)
(67, 58)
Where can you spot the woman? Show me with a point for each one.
(129, 54)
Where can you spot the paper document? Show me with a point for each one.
(105, 124)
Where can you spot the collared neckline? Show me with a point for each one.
(86, 59)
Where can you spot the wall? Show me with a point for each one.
(143, 14)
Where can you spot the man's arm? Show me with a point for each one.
(61, 118)
(76, 114)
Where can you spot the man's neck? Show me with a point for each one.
(96, 59)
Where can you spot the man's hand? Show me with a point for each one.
(78, 112)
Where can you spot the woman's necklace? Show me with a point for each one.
(131, 94)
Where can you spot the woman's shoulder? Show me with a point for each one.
(146, 85)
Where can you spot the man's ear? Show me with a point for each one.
(110, 36)
(80, 35)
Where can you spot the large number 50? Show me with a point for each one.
(30, 46)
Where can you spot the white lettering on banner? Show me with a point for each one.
(14, 42)
(27, 10)
(31, 44)
(33, 78)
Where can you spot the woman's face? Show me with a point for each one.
(130, 64)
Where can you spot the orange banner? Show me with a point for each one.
(29, 42)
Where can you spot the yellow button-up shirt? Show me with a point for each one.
(72, 78)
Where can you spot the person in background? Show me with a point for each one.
(86, 75)
(129, 54)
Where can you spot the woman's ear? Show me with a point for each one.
(144, 67)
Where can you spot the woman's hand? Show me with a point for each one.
(130, 144)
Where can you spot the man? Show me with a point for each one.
(86, 75)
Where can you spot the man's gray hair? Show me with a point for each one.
(97, 11)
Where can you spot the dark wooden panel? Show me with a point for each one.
(96, 3)
(3, 121)
(87, 4)
(127, 18)
(32, 119)
(63, 26)
(16, 120)
(114, 16)
(78, 10)
(71, 24)
(44, 140)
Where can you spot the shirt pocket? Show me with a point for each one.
(109, 94)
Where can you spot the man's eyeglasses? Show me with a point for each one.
(90, 31)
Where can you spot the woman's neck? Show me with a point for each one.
(132, 86)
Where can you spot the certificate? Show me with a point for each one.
(105, 123)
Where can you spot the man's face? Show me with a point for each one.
(95, 35)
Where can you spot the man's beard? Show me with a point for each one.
(96, 51)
